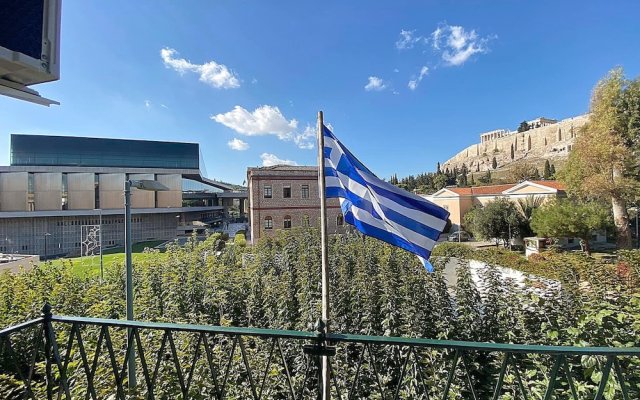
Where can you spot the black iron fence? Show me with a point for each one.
(86, 358)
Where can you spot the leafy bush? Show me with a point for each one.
(375, 289)
(240, 240)
(447, 249)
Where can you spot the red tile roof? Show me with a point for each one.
(552, 184)
(481, 190)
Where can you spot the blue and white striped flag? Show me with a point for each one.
(378, 208)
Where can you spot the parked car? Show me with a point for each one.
(459, 236)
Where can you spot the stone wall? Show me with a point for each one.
(547, 142)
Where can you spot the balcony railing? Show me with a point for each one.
(72, 357)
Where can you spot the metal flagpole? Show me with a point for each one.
(326, 379)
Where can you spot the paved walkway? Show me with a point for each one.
(232, 228)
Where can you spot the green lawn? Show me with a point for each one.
(90, 266)
(137, 247)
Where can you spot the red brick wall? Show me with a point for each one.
(277, 207)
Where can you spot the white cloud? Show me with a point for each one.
(266, 120)
(413, 83)
(163, 106)
(306, 139)
(237, 144)
(457, 44)
(269, 160)
(147, 104)
(408, 39)
(211, 73)
(435, 38)
(375, 83)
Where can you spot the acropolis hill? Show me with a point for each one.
(546, 139)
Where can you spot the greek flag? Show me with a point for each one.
(378, 208)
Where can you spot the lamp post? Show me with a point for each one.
(142, 184)
(100, 239)
(45, 244)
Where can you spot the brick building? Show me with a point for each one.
(284, 197)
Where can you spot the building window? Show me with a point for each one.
(267, 192)
(340, 220)
(268, 223)
(96, 188)
(286, 191)
(30, 183)
(287, 222)
(65, 191)
(305, 191)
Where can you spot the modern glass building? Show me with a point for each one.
(37, 150)
(57, 186)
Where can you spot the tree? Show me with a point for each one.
(526, 207)
(494, 163)
(472, 182)
(461, 181)
(604, 161)
(438, 168)
(523, 127)
(547, 170)
(498, 220)
(553, 171)
(439, 181)
(485, 179)
(512, 152)
(570, 218)
(522, 171)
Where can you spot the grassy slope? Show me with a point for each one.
(90, 266)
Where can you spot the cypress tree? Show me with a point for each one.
(547, 170)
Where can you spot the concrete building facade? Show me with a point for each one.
(56, 185)
(284, 197)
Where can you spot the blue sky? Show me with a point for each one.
(404, 84)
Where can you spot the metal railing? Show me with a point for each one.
(74, 357)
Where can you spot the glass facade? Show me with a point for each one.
(31, 150)
(192, 186)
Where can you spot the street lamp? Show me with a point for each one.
(101, 262)
(142, 184)
(45, 244)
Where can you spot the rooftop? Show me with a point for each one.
(285, 168)
(500, 189)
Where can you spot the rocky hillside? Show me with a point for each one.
(552, 142)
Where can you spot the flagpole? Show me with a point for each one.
(326, 379)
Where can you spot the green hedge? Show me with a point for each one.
(375, 289)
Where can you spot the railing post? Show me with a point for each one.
(46, 315)
(321, 350)
(51, 351)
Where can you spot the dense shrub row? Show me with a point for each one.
(375, 289)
